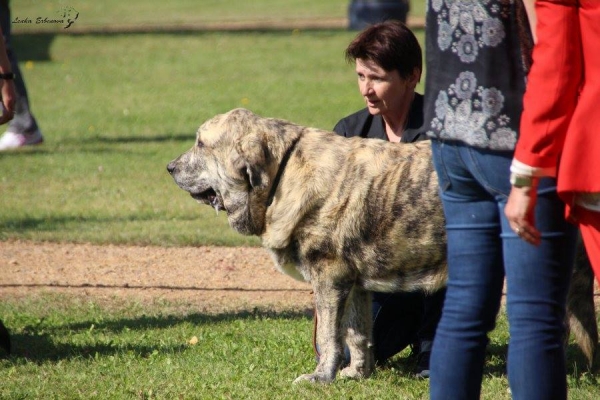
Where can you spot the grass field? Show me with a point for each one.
(139, 13)
(143, 13)
(78, 350)
(115, 109)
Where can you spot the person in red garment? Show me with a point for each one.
(560, 124)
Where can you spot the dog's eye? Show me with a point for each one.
(199, 143)
(243, 171)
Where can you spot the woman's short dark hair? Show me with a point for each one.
(389, 44)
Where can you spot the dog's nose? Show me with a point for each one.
(171, 167)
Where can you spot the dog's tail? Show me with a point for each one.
(581, 313)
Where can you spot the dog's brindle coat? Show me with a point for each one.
(347, 215)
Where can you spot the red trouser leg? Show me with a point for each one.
(589, 224)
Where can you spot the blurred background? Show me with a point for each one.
(120, 87)
(113, 15)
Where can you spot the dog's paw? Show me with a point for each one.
(354, 373)
(314, 378)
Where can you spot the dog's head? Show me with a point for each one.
(231, 166)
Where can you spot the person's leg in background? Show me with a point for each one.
(396, 320)
(23, 128)
(432, 312)
(406, 319)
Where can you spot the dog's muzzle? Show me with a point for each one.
(171, 167)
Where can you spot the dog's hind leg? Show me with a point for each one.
(330, 305)
(358, 324)
(581, 313)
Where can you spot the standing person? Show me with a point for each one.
(388, 63)
(8, 97)
(23, 129)
(561, 122)
(477, 61)
(8, 94)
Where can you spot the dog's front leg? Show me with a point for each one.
(358, 323)
(330, 305)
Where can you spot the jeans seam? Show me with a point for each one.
(442, 171)
(491, 190)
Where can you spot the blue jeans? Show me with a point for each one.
(482, 251)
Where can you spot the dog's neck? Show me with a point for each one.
(280, 170)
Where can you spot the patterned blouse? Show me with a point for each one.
(478, 54)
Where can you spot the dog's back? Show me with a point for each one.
(373, 205)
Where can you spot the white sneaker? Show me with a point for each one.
(12, 140)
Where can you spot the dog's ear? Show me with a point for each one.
(251, 153)
(251, 158)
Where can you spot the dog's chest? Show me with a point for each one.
(286, 263)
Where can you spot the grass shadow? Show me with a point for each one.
(187, 137)
(496, 363)
(36, 342)
(577, 364)
(495, 360)
(32, 47)
(59, 223)
(35, 45)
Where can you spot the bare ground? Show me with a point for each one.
(207, 279)
(204, 279)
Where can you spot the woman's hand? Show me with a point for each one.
(520, 213)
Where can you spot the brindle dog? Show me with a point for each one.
(347, 215)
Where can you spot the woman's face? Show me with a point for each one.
(384, 92)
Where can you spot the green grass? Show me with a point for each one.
(142, 12)
(74, 350)
(115, 13)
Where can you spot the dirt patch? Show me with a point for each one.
(200, 279)
(204, 279)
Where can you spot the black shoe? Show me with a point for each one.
(422, 369)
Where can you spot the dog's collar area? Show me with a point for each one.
(282, 165)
